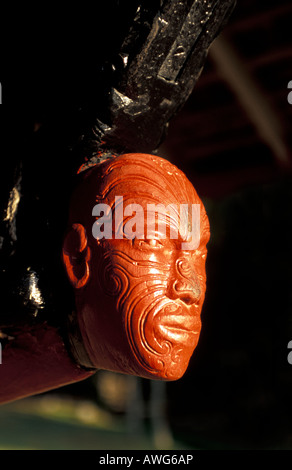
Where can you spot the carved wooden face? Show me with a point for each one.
(138, 299)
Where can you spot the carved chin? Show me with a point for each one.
(163, 337)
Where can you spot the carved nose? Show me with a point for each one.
(187, 292)
(186, 286)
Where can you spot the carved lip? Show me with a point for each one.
(180, 323)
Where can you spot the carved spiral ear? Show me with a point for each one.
(76, 256)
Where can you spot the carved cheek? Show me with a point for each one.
(165, 337)
(162, 332)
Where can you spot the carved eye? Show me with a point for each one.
(150, 243)
(154, 243)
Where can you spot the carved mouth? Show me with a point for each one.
(176, 326)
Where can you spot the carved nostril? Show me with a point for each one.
(188, 299)
(189, 293)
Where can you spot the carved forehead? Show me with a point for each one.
(145, 177)
(139, 178)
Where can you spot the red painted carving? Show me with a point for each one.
(138, 300)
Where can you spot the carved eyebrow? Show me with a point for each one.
(142, 263)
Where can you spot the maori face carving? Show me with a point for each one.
(139, 292)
